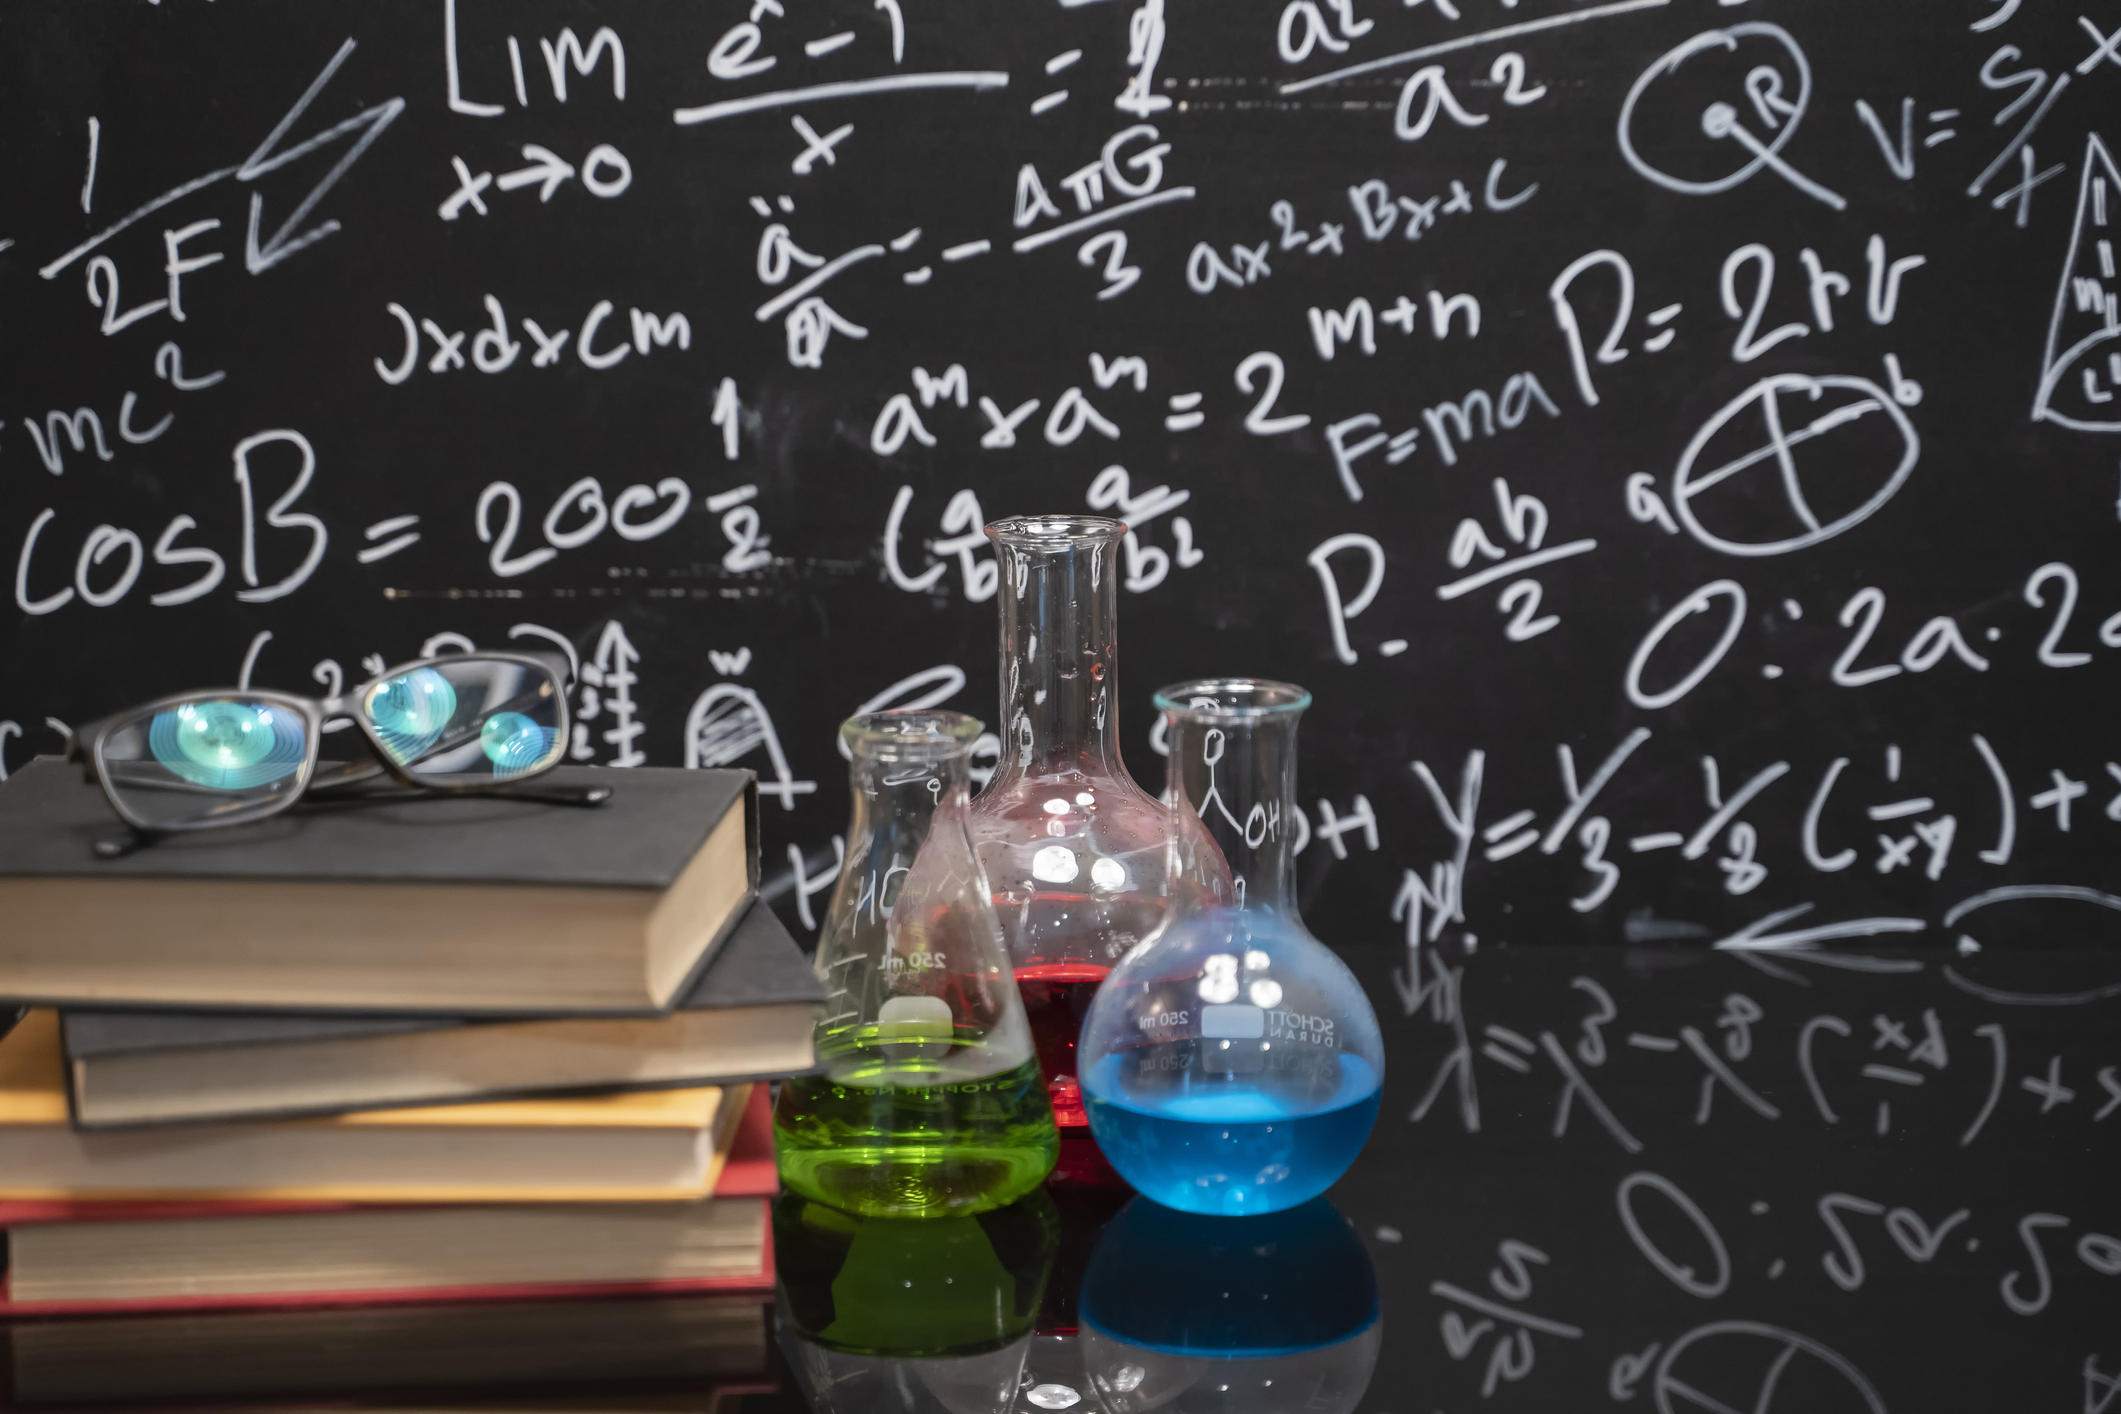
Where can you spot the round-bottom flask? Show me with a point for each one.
(931, 1103)
(1231, 1063)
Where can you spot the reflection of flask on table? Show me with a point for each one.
(1078, 855)
(1054, 1375)
(1268, 1314)
(1233, 1065)
(889, 1316)
(931, 1102)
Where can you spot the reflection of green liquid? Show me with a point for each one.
(897, 1288)
(901, 1136)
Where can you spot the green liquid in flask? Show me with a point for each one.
(888, 1135)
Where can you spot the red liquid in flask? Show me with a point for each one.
(1057, 992)
(1056, 999)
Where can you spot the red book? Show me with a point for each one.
(77, 1258)
(749, 1171)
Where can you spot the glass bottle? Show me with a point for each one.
(1082, 860)
(1231, 1063)
(1274, 1313)
(931, 1103)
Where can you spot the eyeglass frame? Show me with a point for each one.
(86, 743)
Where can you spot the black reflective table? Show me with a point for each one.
(1683, 1180)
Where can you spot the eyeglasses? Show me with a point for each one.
(464, 724)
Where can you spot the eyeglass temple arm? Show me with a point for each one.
(125, 842)
(562, 666)
(525, 790)
(77, 740)
(552, 794)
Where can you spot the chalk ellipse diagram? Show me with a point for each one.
(1776, 455)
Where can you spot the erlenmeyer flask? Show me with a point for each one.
(1082, 860)
(931, 1103)
(1270, 1314)
(1231, 1063)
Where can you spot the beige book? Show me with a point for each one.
(657, 1144)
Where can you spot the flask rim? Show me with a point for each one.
(1233, 697)
(911, 734)
(1053, 533)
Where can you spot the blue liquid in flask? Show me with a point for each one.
(1223, 1145)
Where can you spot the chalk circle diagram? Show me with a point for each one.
(1682, 127)
(2027, 919)
(1770, 488)
(1744, 1365)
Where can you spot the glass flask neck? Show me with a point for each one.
(1058, 591)
(892, 794)
(899, 801)
(910, 939)
(1236, 770)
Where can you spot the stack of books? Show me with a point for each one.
(426, 1095)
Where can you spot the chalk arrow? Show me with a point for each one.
(286, 240)
(548, 168)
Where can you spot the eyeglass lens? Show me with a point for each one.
(209, 759)
(468, 720)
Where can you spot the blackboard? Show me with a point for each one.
(1670, 438)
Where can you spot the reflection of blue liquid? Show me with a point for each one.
(1230, 1288)
(1230, 1148)
(1188, 1314)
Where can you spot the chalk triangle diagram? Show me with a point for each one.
(727, 723)
(2080, 373)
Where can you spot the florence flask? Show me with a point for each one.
(1082, 860)
(1231, 1063)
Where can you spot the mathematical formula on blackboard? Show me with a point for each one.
(1671, 438)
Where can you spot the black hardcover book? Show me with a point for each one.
(458, 906)
(747, 1017)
